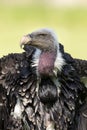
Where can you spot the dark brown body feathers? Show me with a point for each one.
(40, 105)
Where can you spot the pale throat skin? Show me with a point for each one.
(47, 58)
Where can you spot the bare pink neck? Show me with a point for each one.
(46, 63)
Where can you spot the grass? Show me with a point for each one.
(70, 24)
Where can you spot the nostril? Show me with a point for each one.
(30, 35)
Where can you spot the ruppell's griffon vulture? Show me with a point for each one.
(42, 88)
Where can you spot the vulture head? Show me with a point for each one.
(47, 57)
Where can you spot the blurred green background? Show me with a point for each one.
(68, 20)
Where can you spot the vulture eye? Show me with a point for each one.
(43, 34)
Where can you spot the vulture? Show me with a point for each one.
(42, 88)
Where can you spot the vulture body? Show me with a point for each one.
(81, 66)
(41, 88)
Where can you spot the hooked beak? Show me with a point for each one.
(26, 39)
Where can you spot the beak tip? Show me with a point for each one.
(24, 40)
